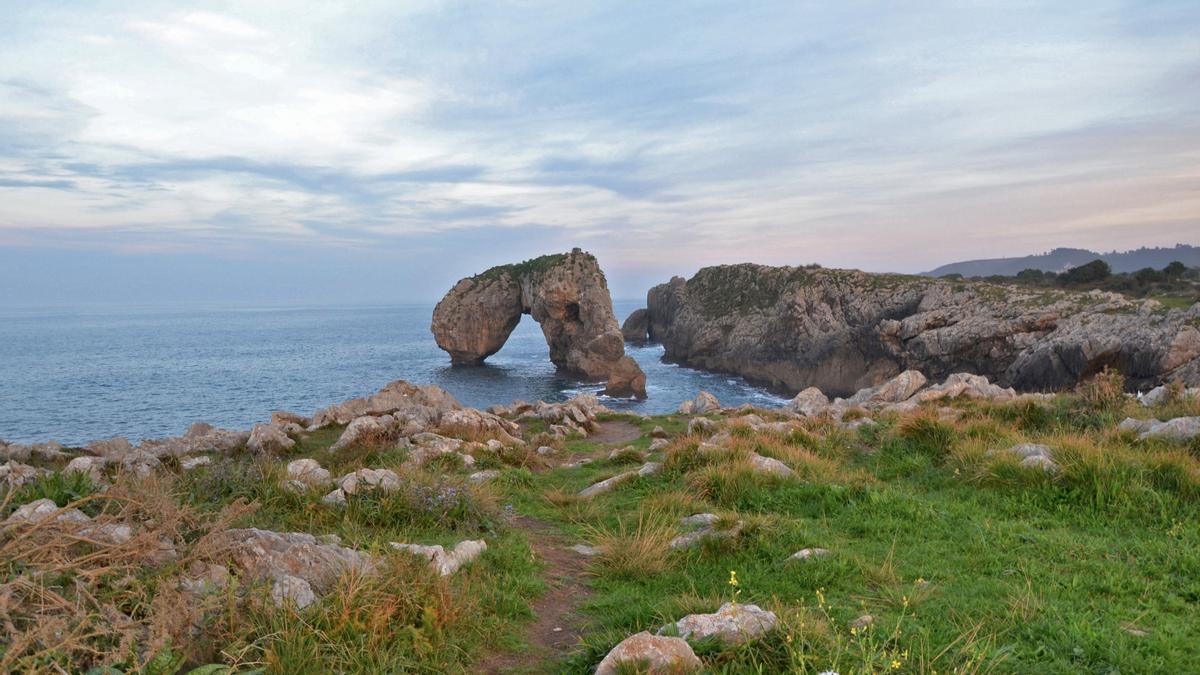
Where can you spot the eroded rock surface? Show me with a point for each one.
(844, 330)
(566, 294)
(646, 653)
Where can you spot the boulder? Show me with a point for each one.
(38, 510)
(369, 480)
(650, 654)
(808, 403)
(263, 555)
(446, 562)
(770, 465)
(93, 467)
(308, 473)
(701, 426)
(365, 429)
(647, 469)
(281, 418)
(1178, 429)
(16, 474)
(566, 294)
(732, 624)
(703, 403)
(416, 407)
(268, 439)
(806, 554)
(899, 388)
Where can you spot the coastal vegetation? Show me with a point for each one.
(894, 540)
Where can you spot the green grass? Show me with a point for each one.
(968, 561)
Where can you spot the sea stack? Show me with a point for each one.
(566, 294)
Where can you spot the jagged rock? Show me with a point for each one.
(731, 624)
(203, 578)
(897, 389)
(38, 510)
(189, 463)
(844, 330)
(703, 403)
(1131, 424)
(701, 425)
(93, 467)
(483, 476)
(287, 589)
(112, 448)
(17, 474)
(650, 654)
(308, 473)
(636, 326)
(203, 438)
(1034, 456)
(368, 480)
(771, 466)
(429, 445)
(1178, 429)
(473, 424)
(806, 554)
(422, 407)
(968, 385)
(51, 451)
(264, 555)
(603, 486)
(268, 439)
(282, 418)
(705, 533)
(367, 427)
(566, 294)
(577, 414)
(809, 403)
(699, 520)
(335, 498)
(443, 562)
(140, 463)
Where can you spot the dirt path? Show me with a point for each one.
(556, 626)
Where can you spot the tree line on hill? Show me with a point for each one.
(1176, 280)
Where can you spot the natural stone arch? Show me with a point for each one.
(566, 294)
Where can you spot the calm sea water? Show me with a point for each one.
(75, 376)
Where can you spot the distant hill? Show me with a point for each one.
(1061, 259)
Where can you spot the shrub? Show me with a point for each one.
(1105, 391)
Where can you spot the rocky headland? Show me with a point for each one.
(843, 330)
(566, 294)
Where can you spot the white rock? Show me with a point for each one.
(93, 467)
(483, 476)
(189, 463)
(268, 439)
(38, 510)
(335, 498)
(809, 403)
(659, 444)
(1178, 429)
(308, 472)
(289, 589)
(805, 554)
(771, 466)
(732, 624)
(701, 425)
(703, 403)
(651, 654)
(443, 562)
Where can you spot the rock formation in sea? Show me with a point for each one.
(566, 294)
(843, 330)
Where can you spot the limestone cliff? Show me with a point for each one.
(843, 330)
(566, 294)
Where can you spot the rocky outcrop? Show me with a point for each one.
(844, 330)
(566, 294)
(652, 654)
(636, 327)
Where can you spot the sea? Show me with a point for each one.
(77, 375)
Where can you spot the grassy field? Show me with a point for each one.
(966, 561)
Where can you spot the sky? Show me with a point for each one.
(319, 152)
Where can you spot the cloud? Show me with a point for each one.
(661, 136)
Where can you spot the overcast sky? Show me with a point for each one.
(266, 151)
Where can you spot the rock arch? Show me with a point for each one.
(566, 294)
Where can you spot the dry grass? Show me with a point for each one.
(629, 551)
(73, 597)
